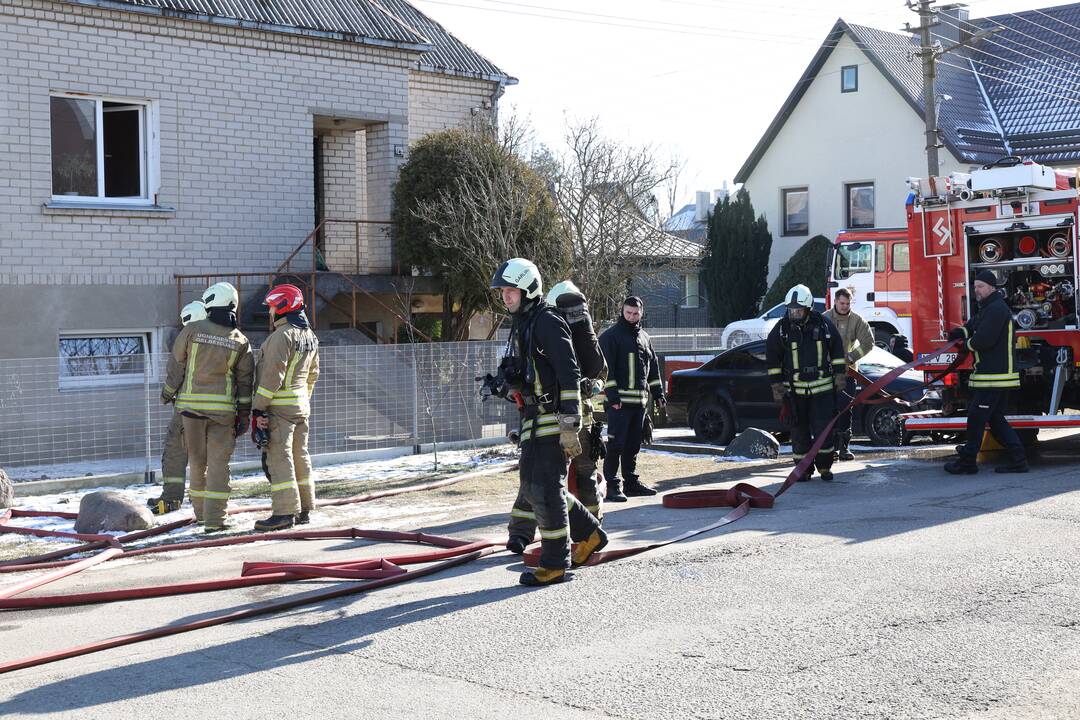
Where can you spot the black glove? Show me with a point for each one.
(957, 333)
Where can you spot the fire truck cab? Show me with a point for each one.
(1018, 220)
(874, 265)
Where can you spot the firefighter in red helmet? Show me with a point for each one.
(285, 378)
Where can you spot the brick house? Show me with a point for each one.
(145, 139)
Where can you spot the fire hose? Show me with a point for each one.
(374, 572)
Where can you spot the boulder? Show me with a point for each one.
(106, 511)
(7, 490)
(753, 443)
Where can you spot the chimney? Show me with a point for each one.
(951, 16)
(702, 205)
(722, 193)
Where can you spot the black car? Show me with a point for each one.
(732, 392)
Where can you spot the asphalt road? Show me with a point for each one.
(896, 592)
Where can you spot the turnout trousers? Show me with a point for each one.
(289, 465)
(624, 441)
(812, 414)
(210, 445)
(523, 519)
(544, 502)
(987, 407)
(174, 460)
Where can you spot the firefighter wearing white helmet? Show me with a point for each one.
(542, 365)
(174, 454)
(570, 303)
(210, 377)
(807, 368)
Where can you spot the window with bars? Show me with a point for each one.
(97, 359)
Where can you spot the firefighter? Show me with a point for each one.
(989, 334)
(174, 454)
(633, 374)
(287, 371)
(857, 339)
(210, 380)
(806, 364)
(570, 302)
(545, 368)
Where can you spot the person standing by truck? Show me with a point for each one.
(857, 339)
(990, 336)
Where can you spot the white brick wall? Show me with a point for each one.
(439, 102)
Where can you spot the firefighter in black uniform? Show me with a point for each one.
(807, 367)
(633, 375)
(989, 334)
(546, 372)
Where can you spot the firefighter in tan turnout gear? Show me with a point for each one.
(288, 369)
(174, 454)
(210, 381)
(857, 339)
(542, 364)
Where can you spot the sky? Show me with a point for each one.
(698, 78)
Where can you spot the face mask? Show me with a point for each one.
(796, 314)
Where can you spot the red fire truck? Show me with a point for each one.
(1018, 220)
(874, 266)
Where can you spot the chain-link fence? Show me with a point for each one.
(71, 416)
(102, 415)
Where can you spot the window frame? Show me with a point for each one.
(149, 152)
(691, 302)
(843, 85)
(88, 382)
(785, 231)
(848, 187)
(907, 258)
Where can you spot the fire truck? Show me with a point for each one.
(874, 265)
(1019, 221)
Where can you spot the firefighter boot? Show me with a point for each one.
(844, 453)
(1018, 464)
(614, 491)
(592, 544)
(517, 544)
(160, 506)
(542, 576)
(633, 487)
(963, 465)
(275, 522)
(303, 517)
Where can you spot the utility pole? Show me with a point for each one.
(929, 52)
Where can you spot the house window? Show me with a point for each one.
(92, 359)
(796, 203)
(860, 205)
(690, 290)
(901, 260)
(849, 78)
(101, 150)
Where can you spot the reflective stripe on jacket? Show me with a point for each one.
(211, 371)
(805, 356)
(990, 336)
(287, 371)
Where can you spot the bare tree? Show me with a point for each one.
(604, 191)
(673, 186)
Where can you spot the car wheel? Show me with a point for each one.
(714, 423)
(883, 425)
(737, 338)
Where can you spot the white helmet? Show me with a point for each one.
(566, 287)
(519, 273)
(193, 311)
(221, 295)
(799, 297)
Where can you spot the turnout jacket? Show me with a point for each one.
(288, 368)
(805, 356)
(210, 372)
(990, 336)
(855, 333)
(633, 370)
(552, 382)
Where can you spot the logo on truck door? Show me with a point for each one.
(942, 231)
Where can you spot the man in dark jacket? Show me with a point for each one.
(633, 375)
(989, 334)
(807, 367)
(545, 372)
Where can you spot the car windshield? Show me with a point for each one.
(879, 362)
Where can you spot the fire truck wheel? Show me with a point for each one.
(714, 423)
(882, 337)
(882, 424)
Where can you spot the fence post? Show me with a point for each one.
(415, 401)
(148, 474)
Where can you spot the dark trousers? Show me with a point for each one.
(988, 407)
(544, 502)
(624, 440)
(843, 423)
(812, 414)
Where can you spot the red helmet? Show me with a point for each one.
(284, 299)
